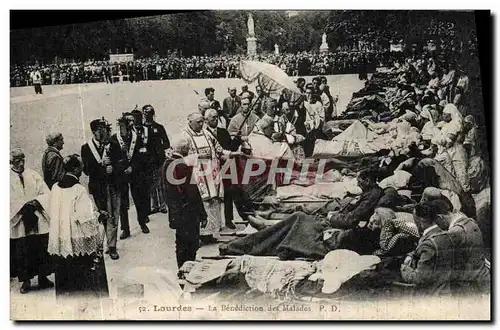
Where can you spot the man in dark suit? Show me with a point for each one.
(210, 99)
(141, 163)
(186, 209)
(262, 104)
(471, 273)
(430, 266)
(124, 143)
(352, 214)
(159, 143)
(231, 193)
(52, 161)
(231, 104)
(98, 163)
(221, 134)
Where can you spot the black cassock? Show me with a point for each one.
(232, 193)
(185, 206)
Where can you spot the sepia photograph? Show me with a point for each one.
(324, 165)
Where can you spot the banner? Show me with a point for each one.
(396, 48)
(121, 58)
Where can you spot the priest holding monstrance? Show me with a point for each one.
(204, 155)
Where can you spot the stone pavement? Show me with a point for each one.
(155, 250)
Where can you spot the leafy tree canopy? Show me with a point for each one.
(217, 32)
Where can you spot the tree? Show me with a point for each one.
(214, 32)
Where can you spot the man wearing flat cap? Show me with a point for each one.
(99, 163)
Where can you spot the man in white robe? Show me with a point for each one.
(266, 144)
(314, 120)
(75, 237)
(29, 224)
(284, 123)
(74, 226)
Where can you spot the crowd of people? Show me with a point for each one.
(196, 67)
(414, 201)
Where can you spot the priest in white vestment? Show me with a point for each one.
(284, 123)
(265, 145)
(29, 224)
(204, 155)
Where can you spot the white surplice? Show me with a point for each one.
(34, 188)
(73, 226)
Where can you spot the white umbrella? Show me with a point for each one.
(270, 78)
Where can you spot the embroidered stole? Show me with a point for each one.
(131, 148)
(95, 153)
(143, 134)
(208, 183)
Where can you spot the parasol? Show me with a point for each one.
(270, 78)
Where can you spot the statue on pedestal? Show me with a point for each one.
(251, 40)
(276, 49)
(251, 27)
(324, 45)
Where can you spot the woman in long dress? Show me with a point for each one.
(74, 235)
